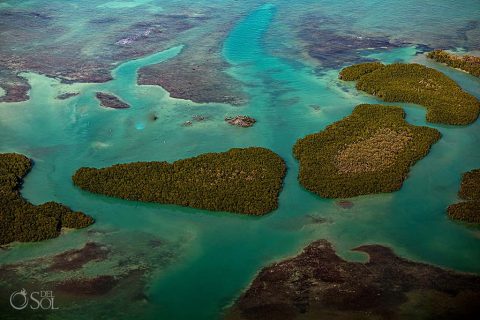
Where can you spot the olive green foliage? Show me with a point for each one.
(468, 211)
(445, 101)
(239, 180)
(23, 221)
(470, 187)
(470, 64)
(318, 153)
(354, 72)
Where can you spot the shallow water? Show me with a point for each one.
(221, 252)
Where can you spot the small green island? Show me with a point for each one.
(370, 151)
(469, 210)
(445, 101)
(22, 221)
(244, 181)
(467, 63)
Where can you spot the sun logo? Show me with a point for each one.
(19, 300)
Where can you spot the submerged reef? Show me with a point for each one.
(16, 88)
(318, 284)
(468, 63)
(67, 95)
(444, 99)
(76, 258)
(23, 221)
(108, 269)
(241, 121)
(370, 151)
(469, 210)
(196, 119)
(197, 73)
(89, 56)
(240, 180)
(200, 82)
(110, 101)
(333, 48)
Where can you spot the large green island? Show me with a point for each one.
(469, 210)
(445, 101)
(370, 151)
(23, 221)
(240, 180)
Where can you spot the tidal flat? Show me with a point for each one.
(318, 284)
(183, 68)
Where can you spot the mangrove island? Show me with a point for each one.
(240, 180)
(445, 101)
(469, 210)
(467, 63)
(370, 151)
(23, 221)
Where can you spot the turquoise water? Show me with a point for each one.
(220, 252)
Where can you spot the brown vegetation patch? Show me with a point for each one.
(378, 152)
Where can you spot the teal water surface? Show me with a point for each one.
(222, 252)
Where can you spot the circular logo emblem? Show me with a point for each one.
(19, 300)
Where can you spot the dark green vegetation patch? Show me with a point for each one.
(468, 211)
(369, 151)
(239, 180)
(355, 72)
(445, 101)
(23, 221)
(470, 64)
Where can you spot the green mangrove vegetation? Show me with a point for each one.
(468, 63)
(469, 210)
(23, 221)
(370, 151)
(445, 101)
(240, 180)
(354, 73)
